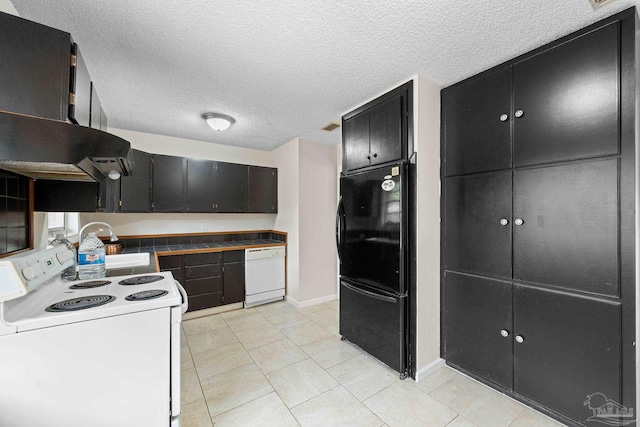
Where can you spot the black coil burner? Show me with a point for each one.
(145, 295)
(81, 303)
(91, 284)
(140, 280)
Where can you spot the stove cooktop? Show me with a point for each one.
(59, 302)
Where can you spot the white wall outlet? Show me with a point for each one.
(262, 226)
(204, 227)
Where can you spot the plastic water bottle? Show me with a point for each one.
(70, 272)
(91, 258)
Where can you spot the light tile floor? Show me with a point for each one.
(275, 365)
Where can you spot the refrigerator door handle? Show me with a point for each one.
(339, 227)
(369, 294)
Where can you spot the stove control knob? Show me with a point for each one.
(28, 273)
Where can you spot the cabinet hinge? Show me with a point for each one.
(72, 98)
(74, 61)
(120, 203)
(153, 205)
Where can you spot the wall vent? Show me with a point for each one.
(599, 3)
(331, 127)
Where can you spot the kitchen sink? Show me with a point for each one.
(126, 260)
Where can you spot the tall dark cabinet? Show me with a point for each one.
(538, 222)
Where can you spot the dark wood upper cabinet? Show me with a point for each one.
(566, 106)
(168, 183)
(263, 190)
(135, 189)
(231, 187)
(37, 62)
(46, 75)
(477, 125)
(201, 191)
(569, 100)
(377, 133)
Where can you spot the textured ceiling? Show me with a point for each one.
(286, 68)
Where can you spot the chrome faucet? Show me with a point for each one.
(112, 234)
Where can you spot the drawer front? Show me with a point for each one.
(203, 286)
(202, 259)
(200, 302)
(169, 262)
(200, 271)
(233, 256)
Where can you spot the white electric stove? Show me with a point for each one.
(100, 352)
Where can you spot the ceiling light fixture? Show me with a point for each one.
(218, 121)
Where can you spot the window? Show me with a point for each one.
(57, 221)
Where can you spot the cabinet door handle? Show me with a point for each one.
(518, 221)
(519, 339)
(375, 154)
(504, 117)
(504, 221)
(519, 113)
(369, 157)
(504, 333)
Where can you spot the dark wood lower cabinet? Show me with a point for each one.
(571, 348)
(233, 277)
(211, 279)
(547, 346)
(476, 312)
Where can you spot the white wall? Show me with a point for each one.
(318, 181)
(426, 104)
(286, 159)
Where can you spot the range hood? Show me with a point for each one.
(50, 149)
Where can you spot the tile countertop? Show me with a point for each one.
(196, 247)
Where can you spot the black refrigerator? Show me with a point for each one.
(371, 232)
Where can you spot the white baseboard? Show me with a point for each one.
(308, 303)
(427, 370)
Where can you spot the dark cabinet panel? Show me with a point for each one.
(569, 233)
(207, 258)
(233, 276)
(36, 60)
(202, 301)
(231, 182)
(477, 315)
(135, 189)
(569, 98)
(477, 235)
(203, 285)
(571, 349)
(477, 124)
(168, 183)
(263, 190)
(80, 110)
(200, 188)
(377, 132)
(65, 196)
(355, 137)
(385, 130)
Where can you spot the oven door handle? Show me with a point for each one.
(185, 299)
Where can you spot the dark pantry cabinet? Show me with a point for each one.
(538, 232)
(377, 133)
(565, 106)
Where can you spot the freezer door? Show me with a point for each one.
(375, 322)
(372, 227)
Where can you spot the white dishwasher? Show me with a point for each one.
(264, 275)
